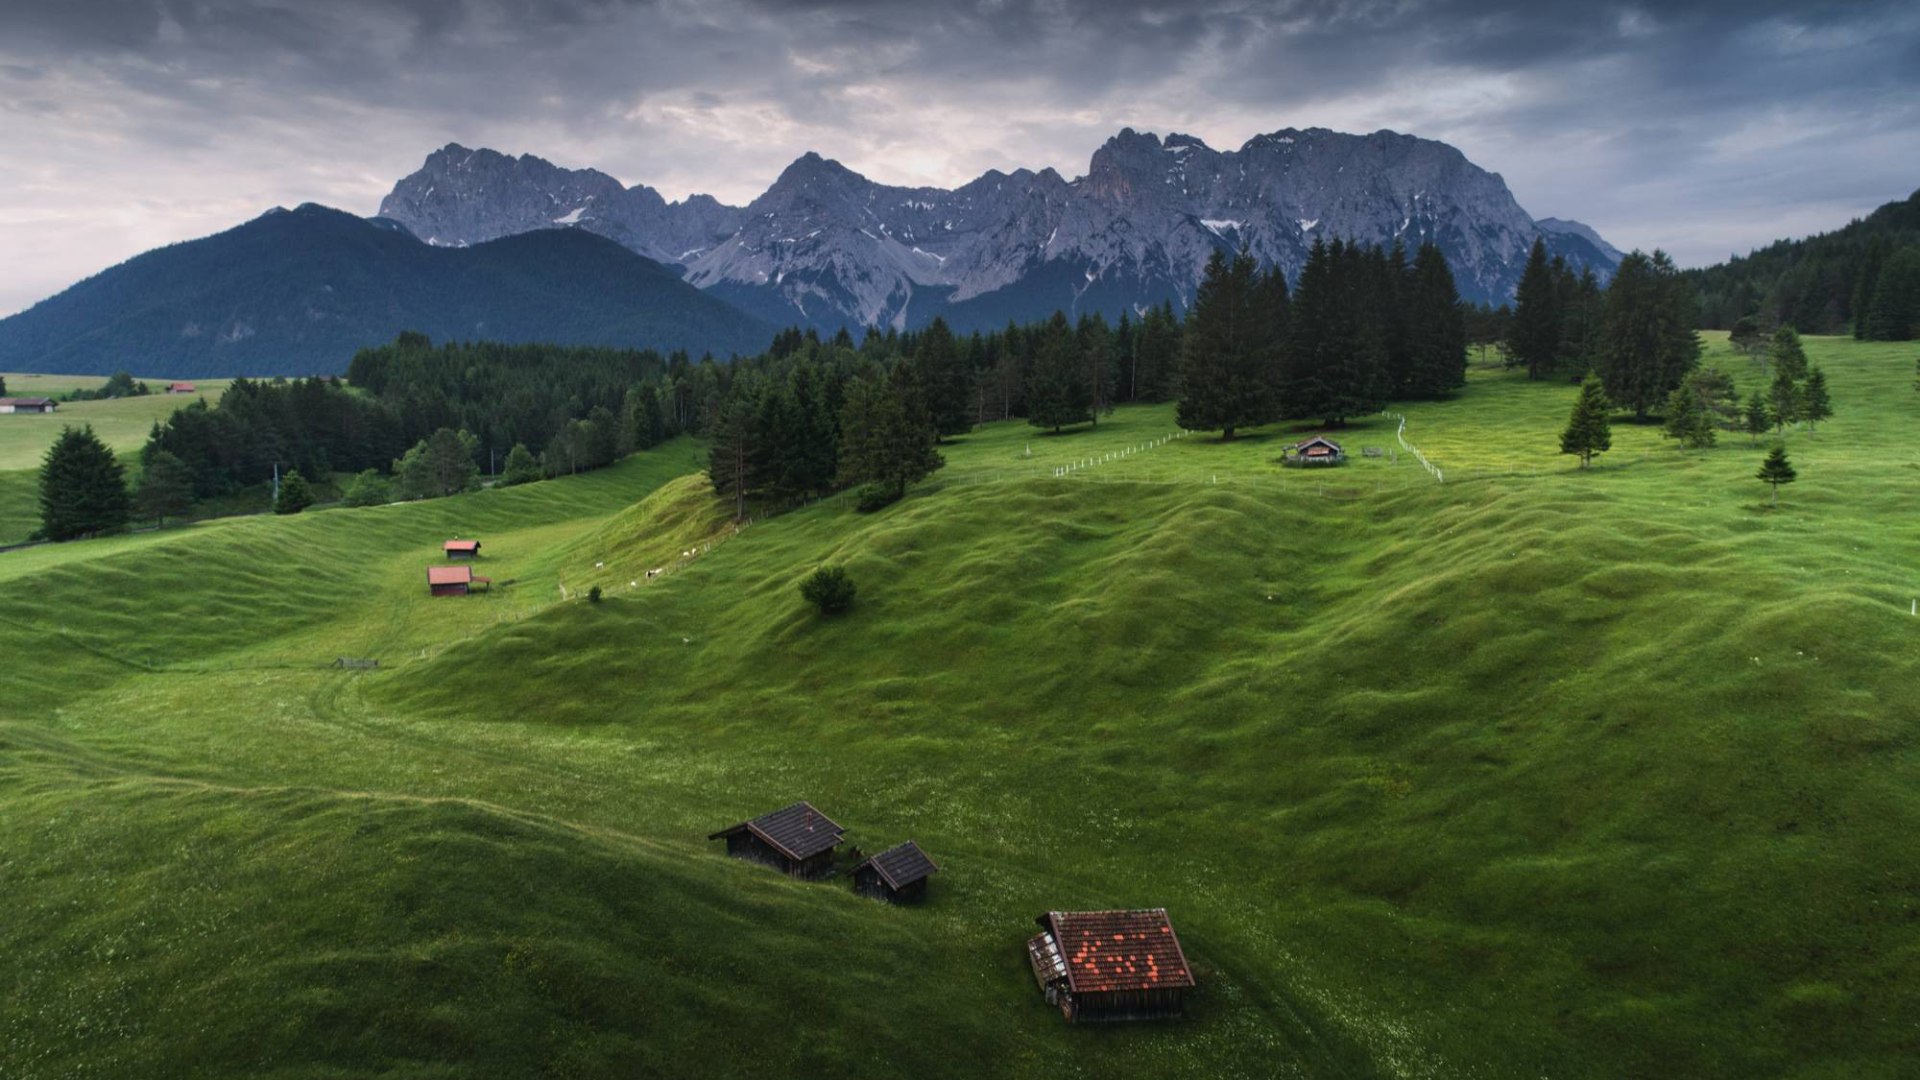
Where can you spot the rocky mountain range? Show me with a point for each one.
(827, 247)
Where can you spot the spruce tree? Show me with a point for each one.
(1588, 431)
(1687, 421)
(736, 457)
(947, 378)
(83, 488)
(1776, 470)
(1057, 391)
(1436, 328)
(165, 488)
(1815, 403)
(1784, 399)
(1894, 314)
(1226, 359)
(1533, 334)
(1787, 353)
(1649, 342)
(1758, 417)
(295, 493)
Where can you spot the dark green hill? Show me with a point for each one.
(1821, 285)
(297, 292)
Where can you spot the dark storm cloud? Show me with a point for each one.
(1702, 127)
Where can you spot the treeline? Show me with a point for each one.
(1863, 279)
(1637, 334)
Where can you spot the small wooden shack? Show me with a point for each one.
(454, 580)
(797, 840)
(1318, 450)
(1097, 966)
(182, 388)
(27, 405)
(461, 549)
(897, 875)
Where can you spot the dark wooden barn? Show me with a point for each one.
(897, 875)
(797, 840)
(454, 580)
(1110, 965)
(28, 405)
(461, 549)
(1318, 450)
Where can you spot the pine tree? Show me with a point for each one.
(1436, 328)
(1649, 343)
(295, 493)
(83, 488)
(1095, 343)
(1783, 397)
(1533, 334)
(1815, 403)
(165, 488)
(736, 458)
(1057, 391)
(887, 433)
(1758, 417)
(1226, 359)
(1776, 470)
(1687, 421)
(947, 378)
(1787, 353)
(1588, 431)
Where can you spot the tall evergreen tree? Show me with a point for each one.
(1227, 354)
(1436, 329)
(737, 461)
(1157, 351)
(1057, 391)
(1784, 399)
(1588, 430)
(947, 378)
(1650, 344)
(886, 430)
(1533, 334)
(83, 487)
(1787, 353)
(1895, 312)
(1776, 470)
(1095, 343)
(165, 488)
(1815, 402)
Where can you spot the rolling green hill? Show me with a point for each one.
(1531, 773)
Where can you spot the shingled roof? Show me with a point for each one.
(449, 575)
(1119, 950)
(798, 831)
(901, 865)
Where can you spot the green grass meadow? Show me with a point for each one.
(1531, 773)
(122, 423)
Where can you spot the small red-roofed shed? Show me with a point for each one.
(453, 580)
(461, 549)
(182, 388)
(1111, 965)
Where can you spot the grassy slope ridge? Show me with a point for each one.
(1531, 773)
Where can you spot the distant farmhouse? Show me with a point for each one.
(897, 875)
(181, 388)
(27, 405)
(461, 549)
(454, 580)
(796, 840)
(1110, 965)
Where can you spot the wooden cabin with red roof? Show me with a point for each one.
(1318, 450)
(454, 580)
(897, 875)
(461, 549)
(182, 388)
(1097, 966)
(796, 840)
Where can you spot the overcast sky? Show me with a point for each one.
(1703, 128)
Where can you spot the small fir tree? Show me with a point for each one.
(828, 589)
(1687, 422)
(1776, 470)
(1787, 353)
(1815, 403)
(1784, 398)
(83, 488)
(1758, 417)
(1588, 432)
(165, 489)
(295, 494)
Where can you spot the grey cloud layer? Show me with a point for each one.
(1704, 128)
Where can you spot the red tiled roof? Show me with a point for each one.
(1119, 950)
(461, 545)
(182, 387)
(449, 575)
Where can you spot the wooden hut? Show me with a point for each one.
(1318, 450)
(454, 580)
(1110, 965)
(182, 388)
(897, 875)
(461, 549)
(797, 840)
(27, 405)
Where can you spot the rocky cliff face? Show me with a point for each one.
(826, 246)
